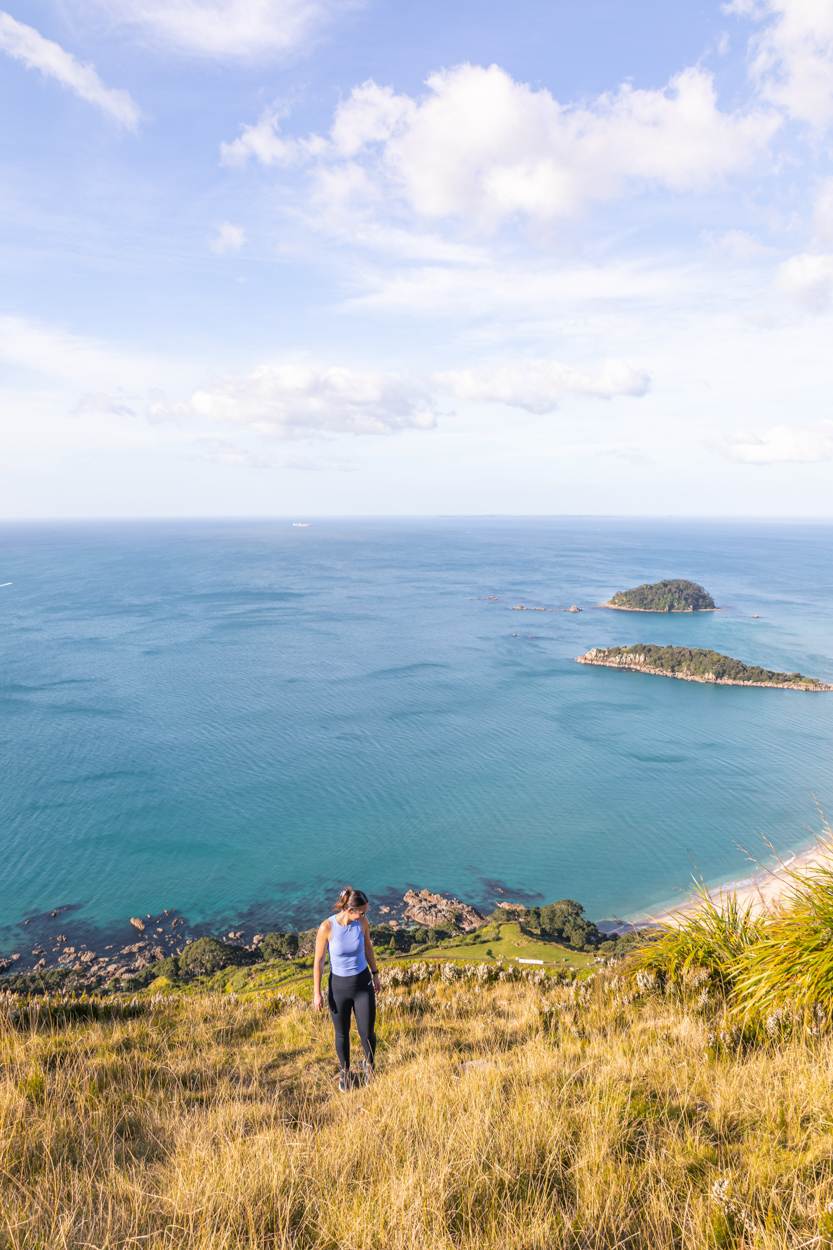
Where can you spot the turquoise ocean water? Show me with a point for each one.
(229, 718)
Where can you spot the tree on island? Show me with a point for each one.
(671, 595)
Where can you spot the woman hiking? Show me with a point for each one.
(354, 979)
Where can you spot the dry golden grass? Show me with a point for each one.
(505, 1116)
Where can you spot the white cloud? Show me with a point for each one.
(739, 245)
(27, 45)
(261, 141)
(808, 279)
(791, 59)
(480, 146)
(235, 29)
(539, 386)
(228, 238)
(513, 290)
(785, 444)
(50, 351)
(308, 400)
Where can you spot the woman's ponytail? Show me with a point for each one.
(350, 899)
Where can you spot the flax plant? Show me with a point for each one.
(704, 943)
(789, 969)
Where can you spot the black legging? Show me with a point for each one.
(346, 995)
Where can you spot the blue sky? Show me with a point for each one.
(355, 256)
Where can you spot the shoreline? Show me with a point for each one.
(138, 942)
(620, 607)
(818, 687)
(100, 954)
(764, 888)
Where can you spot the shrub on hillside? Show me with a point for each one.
(47, 981)
(306, 942)
(566, 922)
(207, 954)
(279, 945)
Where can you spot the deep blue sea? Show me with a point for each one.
(231, 718)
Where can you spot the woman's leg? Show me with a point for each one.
(364, 1005)
(340, 1000)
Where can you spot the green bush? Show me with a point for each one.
(566, 922)
(207, 954)
(279, 945)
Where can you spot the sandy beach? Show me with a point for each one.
(764, 888)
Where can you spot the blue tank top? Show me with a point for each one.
(347, 957)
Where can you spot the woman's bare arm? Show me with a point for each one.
(369, 951)
(321, 939)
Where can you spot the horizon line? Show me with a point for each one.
(416, 516)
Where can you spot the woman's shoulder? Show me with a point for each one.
(324, 927)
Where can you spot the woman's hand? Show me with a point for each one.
(318, 1000)
(377, 982)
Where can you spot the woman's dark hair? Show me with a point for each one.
(349, 899)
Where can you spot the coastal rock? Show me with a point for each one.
(438, 911)
(137, 923)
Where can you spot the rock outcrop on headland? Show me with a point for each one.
(441, 911)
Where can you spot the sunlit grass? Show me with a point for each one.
(528, 1115)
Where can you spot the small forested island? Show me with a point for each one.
(674, 595)
(697, 664)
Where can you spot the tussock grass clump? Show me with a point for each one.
(772, 966)
(790, 967)
(703, 945)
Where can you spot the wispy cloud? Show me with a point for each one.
(785, 444)
(539, 386)
(52, 352)
(228, 29)
(808, 279)
(791, 58)
(227, 238)
(28, 46)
